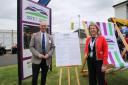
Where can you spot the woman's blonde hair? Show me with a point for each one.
(98, 28)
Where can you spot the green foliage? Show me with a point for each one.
(9, 76)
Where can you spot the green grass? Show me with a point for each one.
(8, 76)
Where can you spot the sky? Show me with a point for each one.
(63, 12)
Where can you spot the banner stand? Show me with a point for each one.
(68, 74)
(29, 16)
(18, 41)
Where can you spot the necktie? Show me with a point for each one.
(43, 43)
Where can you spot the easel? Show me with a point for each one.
(67, 61)
(68, 72)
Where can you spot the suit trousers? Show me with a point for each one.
(95, 73)
(35, 71)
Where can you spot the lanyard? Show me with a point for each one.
(92, 44)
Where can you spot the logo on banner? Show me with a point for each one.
(111, 43)
(36, 14)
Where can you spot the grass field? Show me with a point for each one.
(8, 76)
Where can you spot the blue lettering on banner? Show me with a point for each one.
(32, 18)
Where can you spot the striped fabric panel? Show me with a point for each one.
(107, 29)
(98, 23)
(111, 58)
(110, 29)
(115, 59)
(118, 59)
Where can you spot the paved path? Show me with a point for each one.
(8, 59)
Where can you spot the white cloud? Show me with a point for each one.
(91, 10)
(63, 12)
(8, 14)
(8, 24)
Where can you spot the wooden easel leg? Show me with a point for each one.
(124, 52)
(60, 76)
(77, 76)
(69, 82)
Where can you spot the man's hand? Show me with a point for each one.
(46, 56)
(41, 56)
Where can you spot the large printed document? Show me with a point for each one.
(67, 49)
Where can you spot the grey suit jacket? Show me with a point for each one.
(36, 47)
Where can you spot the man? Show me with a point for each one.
(42, 47)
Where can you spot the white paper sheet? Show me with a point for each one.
(67, 49)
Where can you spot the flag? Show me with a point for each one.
(72, 25)
(44, 2)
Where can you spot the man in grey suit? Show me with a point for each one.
(42, 47)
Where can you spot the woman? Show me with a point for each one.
(96, 53)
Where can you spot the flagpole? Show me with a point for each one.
(79, 25)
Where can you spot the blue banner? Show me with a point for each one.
(44, 2)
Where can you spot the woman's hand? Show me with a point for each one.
(103, 68)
